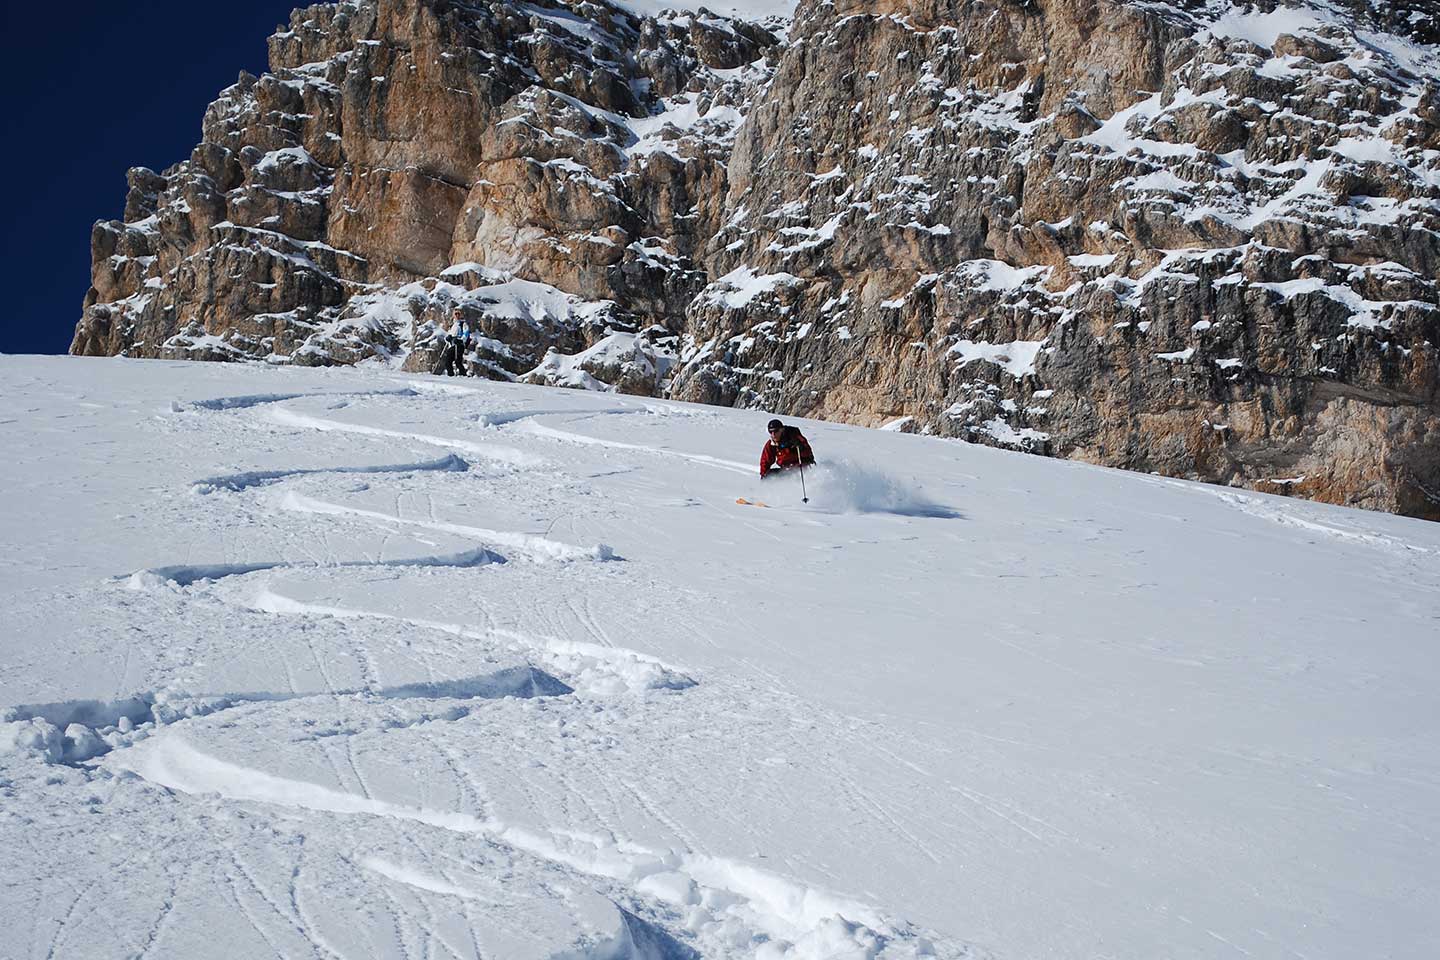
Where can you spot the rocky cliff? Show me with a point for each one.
(1197, 238)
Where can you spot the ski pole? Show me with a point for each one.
(804, 497)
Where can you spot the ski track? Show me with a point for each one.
(249, 401)
(236, 482)
(769, 903)
(499, 454)
(150, 711)
(554, 433)
(504, 418)
(1289, 515)
(1288, 512)
(535, 548)
(185, 575)
(159, 745)
(583, 665)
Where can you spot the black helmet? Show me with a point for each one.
(774, 425)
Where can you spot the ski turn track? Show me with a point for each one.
(767, 903)
(286, 848)
(340, 663)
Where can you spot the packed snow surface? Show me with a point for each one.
(350, 664)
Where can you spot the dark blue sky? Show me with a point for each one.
(91, 90)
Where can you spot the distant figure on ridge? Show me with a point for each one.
(457, 341)
(786, 448)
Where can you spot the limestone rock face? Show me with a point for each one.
(404, 156)
(1196, 238)
(1193, 239)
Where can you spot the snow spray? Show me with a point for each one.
(847, 487)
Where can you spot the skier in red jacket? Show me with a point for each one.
(786, 448)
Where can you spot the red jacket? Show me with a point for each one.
(792, 450)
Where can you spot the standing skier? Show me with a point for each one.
(457, 340)
(786, 448)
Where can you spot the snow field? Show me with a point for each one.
(343, 663)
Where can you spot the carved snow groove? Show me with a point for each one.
(250, 401)
(253, 478)
(186, 575)
(534, 548)
(590, 668)
(719, 896)
(75, 731)
(487, 451)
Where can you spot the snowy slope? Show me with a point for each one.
(347, 663)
